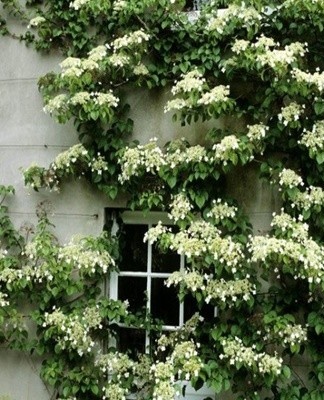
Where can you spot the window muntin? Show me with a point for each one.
(141, 280)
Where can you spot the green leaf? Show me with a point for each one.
(286, 371)
(95, 389)
(172, 180)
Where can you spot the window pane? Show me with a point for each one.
(164, 262)
(133, 249)
(191, 307)
(131, 340)
(133, 290)
(164, 302)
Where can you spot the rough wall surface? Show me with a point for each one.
(27, 135)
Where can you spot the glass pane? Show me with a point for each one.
(133, 290)
(164, 262)
(131, 341)
(164, 302)
(133, 249)
(191, 307)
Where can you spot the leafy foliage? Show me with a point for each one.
(252, 69)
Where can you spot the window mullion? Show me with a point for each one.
(148, 288)
(181, 304)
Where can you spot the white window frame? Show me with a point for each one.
(149, 220)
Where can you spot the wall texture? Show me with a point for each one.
(27, 135)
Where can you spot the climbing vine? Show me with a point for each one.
(254, 71)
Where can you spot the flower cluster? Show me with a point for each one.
(114, 391)
(221, 210)
(290, 226)
(291, 334)
(238, 354)
(131, 39)
(147, 157)
(183, 362)
(242, 15)
(3, 300)
(287, 56)
(303, 260)
(119, 5)
(313, 196)
(265, 52)
(73, 331)
(77, 4)
(257, 132)
(68, 158)
(36, 270)
(107, 99)
(314, 139)
(180, 207)
(118, 364)
(193, 80)
(240, 45)
(224, 149)
(202, 238)
(80, 98)
(192, 154)
(218, 94)
(194, 83)
(192, 280)
(316, 79)
(156, 232)
(219, 290)
(98, 53)
(140, 69)
(36, 21)
(150, 158)
(186, 360)
(177, 104)
(71, 66)
(264, 42)
(95, 98)
(119, 60)
(56, 105)
(86, 259)
(73, 70)
(288, 178)
(228, 291)
(291, 113)
(98, 164)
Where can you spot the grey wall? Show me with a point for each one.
(27, 135)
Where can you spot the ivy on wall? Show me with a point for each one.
(257, 64)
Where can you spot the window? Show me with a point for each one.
(195, 5)
(141, 279)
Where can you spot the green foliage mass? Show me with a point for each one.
(254, 71)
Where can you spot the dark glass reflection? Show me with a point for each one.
(134, 290)
(191, 307)
(131, 341)
(133, 249)
(164, 262)
(164, 302)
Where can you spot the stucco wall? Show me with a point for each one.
(27, 135)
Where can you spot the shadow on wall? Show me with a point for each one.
(257, 197)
